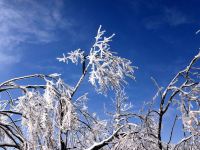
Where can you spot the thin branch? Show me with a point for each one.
(171, 134)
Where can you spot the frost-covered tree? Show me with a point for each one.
(47, 115)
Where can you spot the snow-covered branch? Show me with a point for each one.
(42, 112)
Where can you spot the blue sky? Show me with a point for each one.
(157, 36)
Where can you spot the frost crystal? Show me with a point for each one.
(107, 71)
(74, 56)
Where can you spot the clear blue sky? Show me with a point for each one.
(157, 36)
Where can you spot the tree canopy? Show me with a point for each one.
(46, 115)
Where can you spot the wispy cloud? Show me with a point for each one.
(174, 17)
(8, 59)
(167, 16)
(159, 14)
(28, 21)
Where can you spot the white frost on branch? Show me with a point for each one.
(52, 116)
(74, 56)
(107, 71)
